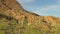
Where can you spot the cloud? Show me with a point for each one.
(53, 10)
(52, 7)
(42, 10)
(25, 1)
(28, 0)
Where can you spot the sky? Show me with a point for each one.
(42, 7)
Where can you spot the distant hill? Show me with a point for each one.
(16, 20)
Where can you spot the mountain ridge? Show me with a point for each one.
(16, 20)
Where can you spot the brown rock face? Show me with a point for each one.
(11, 4)
(10, 8)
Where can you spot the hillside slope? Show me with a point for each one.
(15, 20)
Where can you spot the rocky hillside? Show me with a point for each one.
(16, 20)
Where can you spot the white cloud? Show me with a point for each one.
(28, 0)
(53, 7)
(25, 1)
(44, 10)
